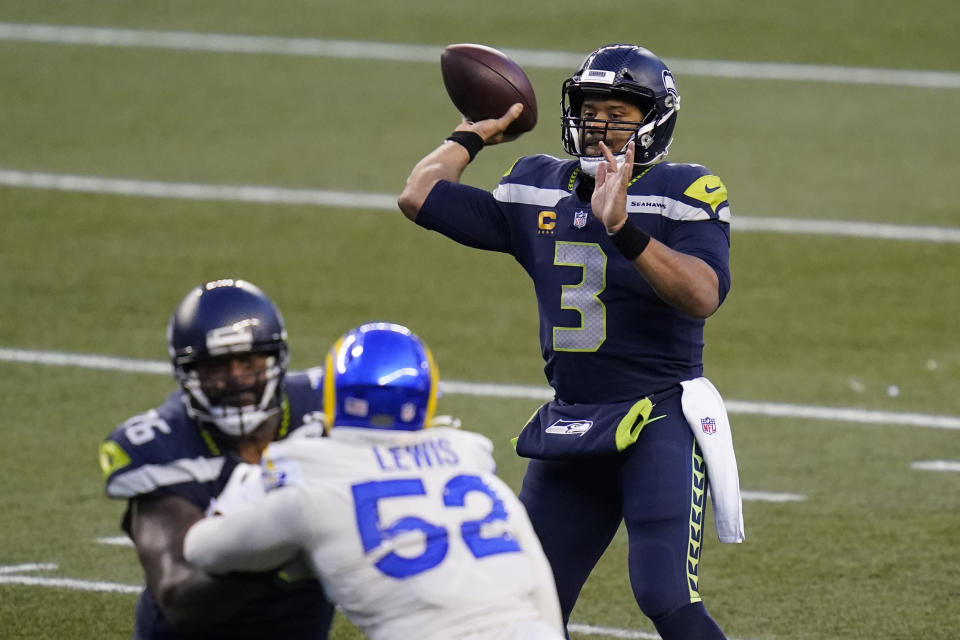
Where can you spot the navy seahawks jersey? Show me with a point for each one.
(605, 335)
(165, 453)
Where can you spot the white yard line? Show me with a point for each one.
(7, 576)
(196, 191)
(388, 202)
(611, 632)
(398, 52)
(71, 583)
(27, 567)
(453, 387)
(949, 466)
(770, 496)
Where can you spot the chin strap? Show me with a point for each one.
(590, 164)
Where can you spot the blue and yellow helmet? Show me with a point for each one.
(380, 376)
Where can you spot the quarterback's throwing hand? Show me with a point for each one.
(493, 130)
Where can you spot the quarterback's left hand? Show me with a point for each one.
(609, 201)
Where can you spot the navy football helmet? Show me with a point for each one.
(224, 322)
(625, 72)
(380, 376)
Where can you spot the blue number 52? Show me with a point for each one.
(373, 533)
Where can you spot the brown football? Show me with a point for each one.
(482, 83)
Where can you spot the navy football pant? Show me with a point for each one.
(576, 507)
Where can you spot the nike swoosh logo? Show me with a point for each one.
(709, 190)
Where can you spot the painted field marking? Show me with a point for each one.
(30, 566)
(769, 496)
(197, 191)
(388, 202)
(950, 466)
(396, 52)
(453, 387)
(116, 541)
(9, 575)
(611, 632)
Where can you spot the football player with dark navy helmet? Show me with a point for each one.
(228, 347)
(629, 255)
(626, 73)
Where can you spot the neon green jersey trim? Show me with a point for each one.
(639, 175)
(633, 423)
(210, 442)
(697, 514)
(285, 421)
(112, 457)
(708, 189)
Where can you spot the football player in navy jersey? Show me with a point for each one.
(629, 255)
(228, 346)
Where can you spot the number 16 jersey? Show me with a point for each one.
(605, 335)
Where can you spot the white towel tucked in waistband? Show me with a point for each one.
(707, 417)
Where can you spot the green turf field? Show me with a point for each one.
(813, 320)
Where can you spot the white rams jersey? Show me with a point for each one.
(411, 534)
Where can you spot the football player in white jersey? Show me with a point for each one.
(402, 519)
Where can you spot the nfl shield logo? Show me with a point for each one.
(580, 219)
(709, 425)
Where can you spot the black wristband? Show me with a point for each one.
(469, 140)
(630, 240)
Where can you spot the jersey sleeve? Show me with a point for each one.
(709, 241)
(257, 536)
(304, 393)
(158, 454)
(700, 207)
(482, 449)
(467, 215)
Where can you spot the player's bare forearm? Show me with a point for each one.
(682, 281)
(194, 599)
(448, 161)
(189, 597)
